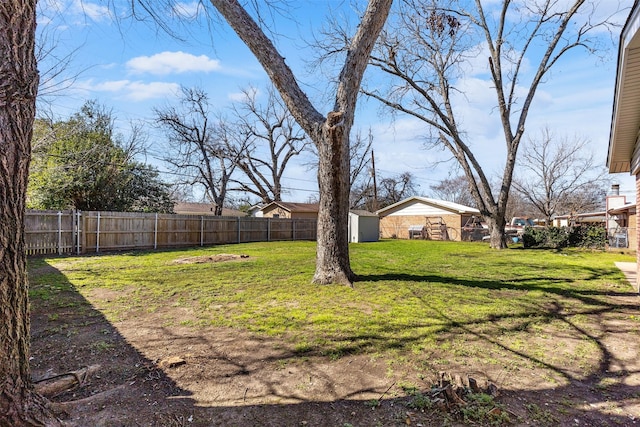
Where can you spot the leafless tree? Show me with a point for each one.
(329, 133)
(19, 404)
(455, 190)
(268, 138)
(396, 188)
(200, 149)
(559, 175)
(430, 45)
(520, 207)
(369, 193)
(361, 195)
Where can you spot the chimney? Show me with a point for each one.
(615, 190)
(614, 199)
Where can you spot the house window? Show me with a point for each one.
(276, 215)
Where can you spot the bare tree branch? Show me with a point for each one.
(199, 149)
(430, 45)
(560, 175)
(268, 138)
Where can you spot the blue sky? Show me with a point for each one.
(131, 67)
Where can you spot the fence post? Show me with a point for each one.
(202, 230)
(98, 234)
(268, 229)
(293, 230)
(238, 223)
(155, 232)
(74, 232)
(76, 226)
(59, 232)
(84, 234)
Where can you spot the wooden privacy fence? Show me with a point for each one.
(74, 232)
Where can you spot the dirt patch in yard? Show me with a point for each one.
(156, 370)
(212, 258)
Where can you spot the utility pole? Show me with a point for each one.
(375, 185)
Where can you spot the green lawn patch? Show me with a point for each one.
(412, 297)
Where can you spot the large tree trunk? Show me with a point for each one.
(332, 264)
(331, 135)
(19, 404)
(498, 238)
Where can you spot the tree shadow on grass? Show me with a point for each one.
(544, 283)
(241, 384)
(607, 319)
(69, 332)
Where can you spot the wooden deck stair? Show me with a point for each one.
(434, 228)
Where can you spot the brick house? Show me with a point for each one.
(624, 146)
(421, 217)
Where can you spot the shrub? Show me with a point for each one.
(582, 236)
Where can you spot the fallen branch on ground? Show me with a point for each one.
(57, 384)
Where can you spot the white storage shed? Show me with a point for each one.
(364, 226)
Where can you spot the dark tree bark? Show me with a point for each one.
(330, 134)
(19, 404)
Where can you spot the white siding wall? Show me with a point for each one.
(417, 208)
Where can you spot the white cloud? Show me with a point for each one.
(133, 90)
(141, 91)
(112, 86)
(94, 11)
(172, 63)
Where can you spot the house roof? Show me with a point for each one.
(625, 120)
(189, 208)
(623, 208)
(362, 212)
(442, 204)
(293, 207)
(583, 215)
(254, 208)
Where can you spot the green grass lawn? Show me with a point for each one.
(411, 296)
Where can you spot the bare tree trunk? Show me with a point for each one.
(330, 134)
(332, 264)
(498, 239)
(19, 404)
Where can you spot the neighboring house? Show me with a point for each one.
(585, 218)
(364, 226)
(255, 211)
(424, 218)
(624, 147)
(203, 209)
(621, 221)
(290, 210)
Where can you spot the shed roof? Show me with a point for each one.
(442, 204)
(362, 212)
(625, 121)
